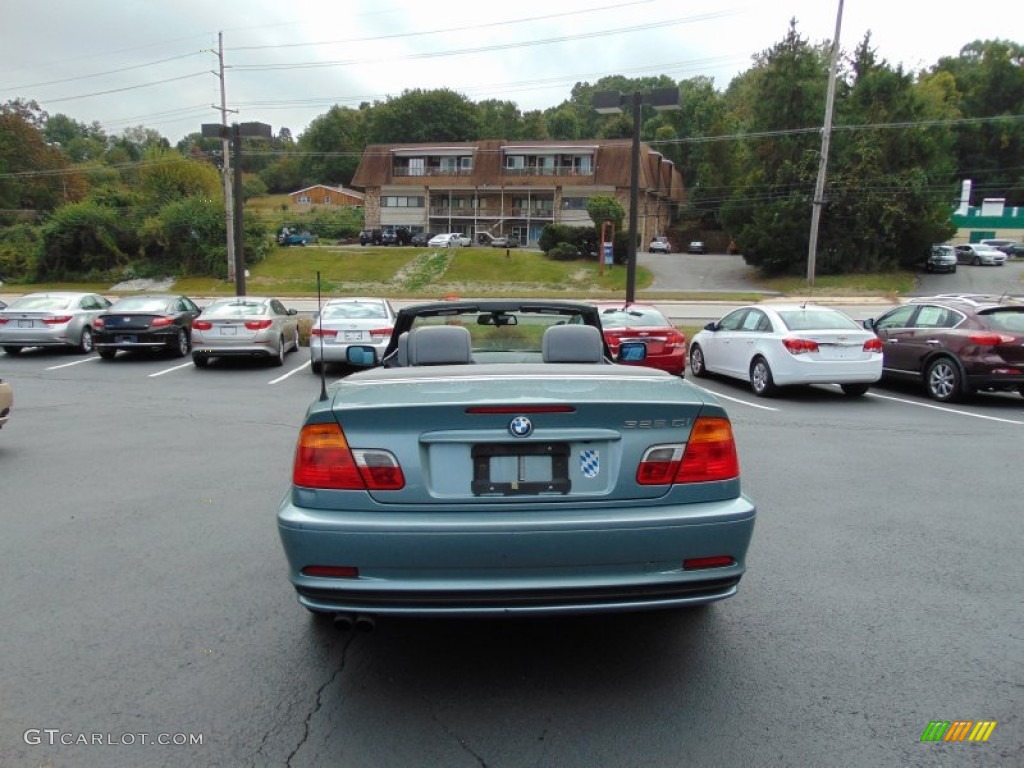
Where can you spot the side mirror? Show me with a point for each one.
(293, 311)
(869, 323)
(361, 356)
(711, 327)
(632, 352)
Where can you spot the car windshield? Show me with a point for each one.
(620, 317)
(140, 304)
(1004, 319)
(816, 320)
(503, 332)
(354, 311)
(40, 303)
(235, 309)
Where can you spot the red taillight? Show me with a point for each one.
(332, 571)
(4, 320)
(989, 339)
(323, 460)
(675, 340)
(718, 561)
(57, 320)
(99, 322)
(800, 346)
(873, 345)
(202, 325)
(258, 325)
(160, 322)
(322, 332)
(709, 454)
(381, 333)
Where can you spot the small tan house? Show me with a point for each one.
(321, 194)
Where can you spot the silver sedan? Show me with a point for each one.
(244, 326)
(50, 319)
(344, 322)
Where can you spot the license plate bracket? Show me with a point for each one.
(125, 339)
(525, 454)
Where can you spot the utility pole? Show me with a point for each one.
(826, 136)
(226, 179)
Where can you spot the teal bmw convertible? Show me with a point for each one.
(499, 461)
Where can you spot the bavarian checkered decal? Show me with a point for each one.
(590, 463)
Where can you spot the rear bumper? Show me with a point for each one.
(338, 353)
(493, 563)
(142, 340)
(829, 372)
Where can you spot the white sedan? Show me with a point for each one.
(782, 344)
(448, 240)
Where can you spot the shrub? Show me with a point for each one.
(564, 252)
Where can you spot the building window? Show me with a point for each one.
(395, 201)
(575, 203)
(515, 162)
(304, 198)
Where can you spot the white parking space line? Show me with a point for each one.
(292, 372)
(944, 408)
(68, 365)
(736, 399)
(170, 370)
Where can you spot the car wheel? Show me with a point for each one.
(106, 353)
(855, 390)
(295, 341)
(85, 345)
(12, 350)
(976, 262)
(278, 359)
(943, 380)
(180, 346)
(316, 366)
(953, 270)
(200, 361)
(697, 362)
(761, 378)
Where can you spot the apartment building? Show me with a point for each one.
(497, 187)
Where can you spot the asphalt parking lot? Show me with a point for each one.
(145, 592)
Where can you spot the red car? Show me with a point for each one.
(666, 344)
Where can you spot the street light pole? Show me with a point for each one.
(609, 102)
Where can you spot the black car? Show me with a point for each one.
(370, 237)
(160, 322)
(420, 239)
(955, 344)
(396, 236)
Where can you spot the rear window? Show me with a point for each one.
(354, 311)
(622, 318)
(140, 304)
(816, 320)
(1009, 319)
(235, 309)
(34, 303)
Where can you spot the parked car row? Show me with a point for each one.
(242, 326)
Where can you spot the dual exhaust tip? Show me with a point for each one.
(360, 622)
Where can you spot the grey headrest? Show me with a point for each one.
(440, 345)
(572, 344)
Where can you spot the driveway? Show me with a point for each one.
(713, 273)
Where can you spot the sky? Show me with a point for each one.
(154, 62)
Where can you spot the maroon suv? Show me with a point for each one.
(955, 344)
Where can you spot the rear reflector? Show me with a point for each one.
(506, 409)
(332, 571)
(719, 561)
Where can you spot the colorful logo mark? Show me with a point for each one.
(958, 730)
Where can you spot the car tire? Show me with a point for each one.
(180, 345)
(200, 361)
(278, 359)
(295, 342)
(761, 380)
(12, 351)
(943, 380)
(315, 366)
(976, 262)
(697, 367)
(85, 345)
(855, 390)
(953, 271)
(106, 353)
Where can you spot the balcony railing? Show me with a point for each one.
(487, 212)
(546, 171)
(417, 172)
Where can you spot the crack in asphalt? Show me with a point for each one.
(462, 742)
(317, 705)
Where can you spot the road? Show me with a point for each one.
(145, 592)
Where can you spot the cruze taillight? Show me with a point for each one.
(323, 459)
(800, 346)
(873, 345)
(709, 454)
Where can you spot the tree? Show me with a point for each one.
(602, 208)
(330, 148)
(499, 119)
(79, 142)
(423, 116)
(165, 176)
(80, 239)
(33, 174)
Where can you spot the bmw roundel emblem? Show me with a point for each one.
(520, 426)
